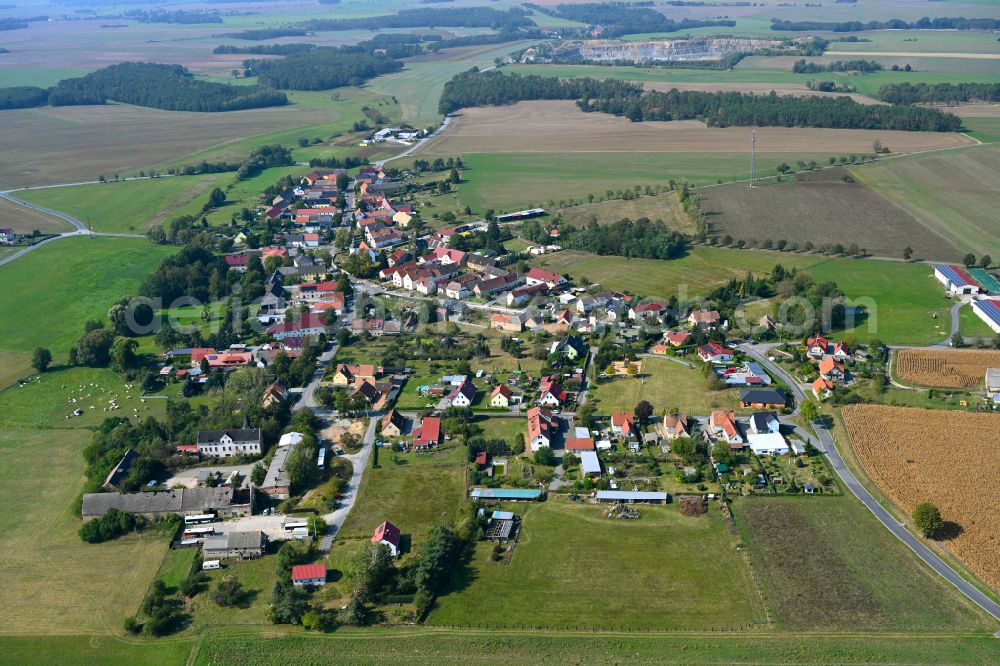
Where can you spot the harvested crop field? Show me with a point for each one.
(25, 220)
(956, 369)
(821, 208)
(947, 458)
(64, 144)
(559, 126)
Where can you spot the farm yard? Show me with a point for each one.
(821, 208)
(828, 565)
(570, 557)
(954, 193)
(901, 450)
(955, 369)
(559, 126)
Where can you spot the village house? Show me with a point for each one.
(550, 394)
(350, 374)
(571, 347)
(503, 397)
(522, 295)
(537, 276)
(816, 347)
(463, 395)
(647, 311)
(623, 423)
(577, 445)
(8, 237)
(275, 394)
(229, 443)
(509, 323)
(427, 434)
(677, 338)
(764, 422)
(308, 575)
(722, 426)
(703, 319)
(388, 535)
(832, 370)
(713, 352)
(542, 428)
(673, 426)
(821, 388)
(393, 424)
(307, 325)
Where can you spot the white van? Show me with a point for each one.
(210, 564)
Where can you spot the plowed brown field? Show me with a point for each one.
(948, 458)
(945, 368)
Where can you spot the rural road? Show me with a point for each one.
(359, 462)
(848, 478)
(80, 229)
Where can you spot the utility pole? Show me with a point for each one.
(753, 156)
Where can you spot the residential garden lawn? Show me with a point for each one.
(569, 557)
(954, 192)
(97, 585)
(515, 181)
(700, 271)
(176, 566)
(413, 491)
(131, 206)
(902, 300)
(666, 384)
(57, 288)
(46, 400)
(827, 565)
(14, 366)
(506, 428)
(25, 220)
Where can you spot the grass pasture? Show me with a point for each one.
(818, 208)
(14, 366)
(57, 288)
(97, 584)
(131, 206)
(828, 565)
(658, 207)
(414, 491)
(954, 193)
(666, 384)
(700, 271)
(573, 568)
(914, 314)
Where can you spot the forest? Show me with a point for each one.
(265, 49)
(168, 87)
(321, 69)
(716, 109)
(23, 97)
(944, 23)
(947, 93)
(452, 17)
(617, 19)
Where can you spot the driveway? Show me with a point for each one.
(359, 461)
(189, 477)
(848, 479)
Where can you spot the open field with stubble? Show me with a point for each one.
(955, 193)
(921, 455)
(570, 557)
(559, 126)
(945, 368)
(24, 220)
(821, 208)
(828, 565)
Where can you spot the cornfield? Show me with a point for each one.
(947, 458)
(945, 368)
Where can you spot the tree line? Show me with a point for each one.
(452, 17)
(942, 23)
(181, 16)
(618, 19)
(168, 87)
(716, 109)
(945, 93)
(321, 69)
(264, 49)
(260, 34)
(863, 66)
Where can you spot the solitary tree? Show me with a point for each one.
(809, 411)
(969, 260)
(985, 261)
(643, 411)
(907, 253)
(41, 358)
(928, 519)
